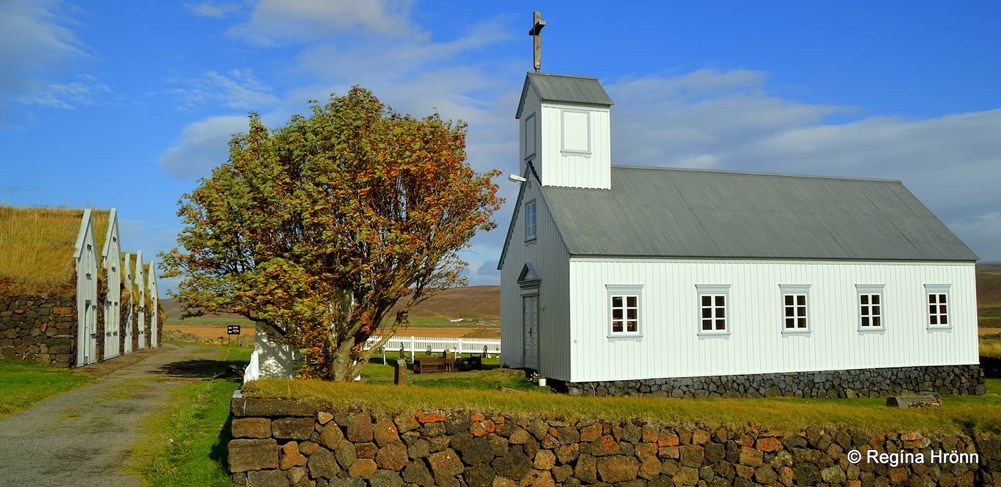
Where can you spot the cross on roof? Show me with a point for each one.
(536, 33)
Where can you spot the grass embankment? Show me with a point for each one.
(38, 247)
(990, 348)
(989, 316)
(184, 443)
(25, 383)
(957, 414)
(989, 295)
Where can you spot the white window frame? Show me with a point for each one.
(563, 131)
(713, 291)
(624, 291)
(869, 290)
(531, 220)
(938, 290)
(796, 290)
(531, 134)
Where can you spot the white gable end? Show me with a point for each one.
(564, 127)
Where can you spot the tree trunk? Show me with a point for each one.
(341, 364)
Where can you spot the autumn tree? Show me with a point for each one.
(320, 227)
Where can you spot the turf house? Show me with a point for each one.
(64, 286)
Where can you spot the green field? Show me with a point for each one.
(25, 383)
(473, 304)
(989, 295)
(966, 414)
(989, 316)
(184, 443)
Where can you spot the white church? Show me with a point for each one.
(692, 283)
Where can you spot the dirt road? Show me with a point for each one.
(85, 436)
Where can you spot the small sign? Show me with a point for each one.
(233, 329)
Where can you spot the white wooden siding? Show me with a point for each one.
(571, 168)
(549, 257)
(112, 302)
(140, 280)
(670, 345)
(154, 301)
(529, 142)
(86, 292)
(129, 326)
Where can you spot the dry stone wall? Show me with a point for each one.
(40, 328)
(287, 443)
(945, 379)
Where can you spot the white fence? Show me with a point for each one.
(278, 360)
(413, 345)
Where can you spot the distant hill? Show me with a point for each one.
(482, 303)
(472, 304)
(989, 285)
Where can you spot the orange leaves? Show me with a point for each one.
(321, 226)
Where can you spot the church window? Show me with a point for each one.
(576, 131)
(530, 132)
(713, 309)
(624, 310)
(870, 301)
(530, 220)
(795, 310)
(938, 305)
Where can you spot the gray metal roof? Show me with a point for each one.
(564, 88)
(666, 212)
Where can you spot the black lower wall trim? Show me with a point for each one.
(941, 379)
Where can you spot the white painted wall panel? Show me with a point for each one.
(671, 347)
(571, 168)
(529, 142)
(549, 257)
(140, 280)
(86, 291)
(129, 283)
(112, 306)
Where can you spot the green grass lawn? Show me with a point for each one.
(990, 348)
(185, 442)
(957, 414)
(213, 320)
(989, 316)
(25, 383)
(443, 321)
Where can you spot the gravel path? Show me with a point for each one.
(85, 436)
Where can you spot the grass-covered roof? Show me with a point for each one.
(37, 248)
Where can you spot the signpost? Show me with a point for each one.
(233, 330)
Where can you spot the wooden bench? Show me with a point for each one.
(474, 362)
(430, 365)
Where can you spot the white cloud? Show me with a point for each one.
(728, 120)
(236, 89)
(35, 38)
(275, 21)
(394, 57)
(982, 233)
(201, 146)
(212, 9)
(66, 96)
(674, 121)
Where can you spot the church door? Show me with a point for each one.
(530, 320)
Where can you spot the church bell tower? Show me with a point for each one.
(564, 125)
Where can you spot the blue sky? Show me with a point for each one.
(126, 104)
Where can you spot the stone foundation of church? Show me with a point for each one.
(942, 379)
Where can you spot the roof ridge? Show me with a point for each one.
(577, 76)
(754, 173)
